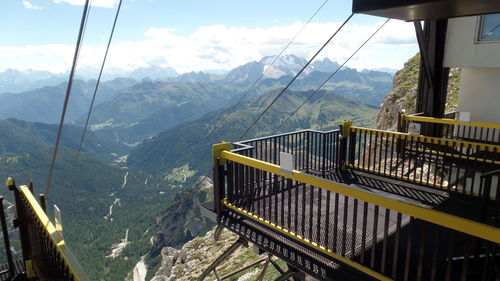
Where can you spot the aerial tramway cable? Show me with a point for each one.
(68, 93)
(330, 77)
(265, 71)
(195, 188)
(95, 93)
(294, 78)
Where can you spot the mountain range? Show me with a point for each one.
(191, 142)
(45, 104)
(16, 81)
(148, 108)
(150, 141)
(130, 111)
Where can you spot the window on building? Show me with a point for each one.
(489, 28)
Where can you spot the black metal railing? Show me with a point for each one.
(313, 151)
(450, 128)
(45, 253)
(455, 166)
(356, 232)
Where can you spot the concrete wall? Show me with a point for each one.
(462, 50)
(480, 63)
(480, 94)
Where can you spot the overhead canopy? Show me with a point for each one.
(412, 10)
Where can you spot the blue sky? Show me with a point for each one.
(188, 35)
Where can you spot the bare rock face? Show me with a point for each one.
(181, 221)
(189, 262)
(403, 97)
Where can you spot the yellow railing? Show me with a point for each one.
(411, 158)
(37, 227)
(430, 140)
(467, 226)
(397, 208)
(446, 121)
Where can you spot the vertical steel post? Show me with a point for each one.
(30, 187)
(6, 240)
(402, 128)
(433, 76)
(308, 152)
(486, 190)
(401, 125)
(323, 154)
(218, 176)
(352, 148)
(217, 190)
(345, 130)
(43, 203)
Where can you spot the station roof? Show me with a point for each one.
(413, 10)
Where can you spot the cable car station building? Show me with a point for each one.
(364, 204)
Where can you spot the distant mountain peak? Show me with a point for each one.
(324, 65)
(284, 65)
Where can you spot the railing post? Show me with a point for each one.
(345, 130)
(323, 154)
(43, 203)
(30, 187)
(486, 190)
(21, 220)
(6, 240)
(218, 176)
(308, 150)
(352, 148)
(401, 126)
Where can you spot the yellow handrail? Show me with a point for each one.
(430, 140)
(450, 121)
(55, 236)
(470, 227)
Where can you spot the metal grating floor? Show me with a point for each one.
(331, 220)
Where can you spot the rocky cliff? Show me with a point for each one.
(182, 221)
(404, 94)
(188, 262)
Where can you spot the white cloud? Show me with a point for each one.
(95, 3)
(222, 47)
(30, 6)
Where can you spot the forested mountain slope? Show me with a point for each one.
(191, 142)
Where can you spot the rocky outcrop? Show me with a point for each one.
(196, 255)
(182, 221)
(178, 224)
(189, 262)
(404, 94)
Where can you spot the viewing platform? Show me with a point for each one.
(365, 204)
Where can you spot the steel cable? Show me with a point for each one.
(294, 78)
(68, 93)
(265, 71)
(94, 94)
(331, 75)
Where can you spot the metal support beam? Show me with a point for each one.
(433, 79)
(221, 258)
(424, 56)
